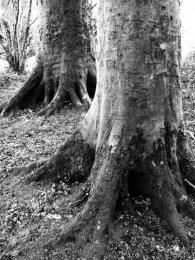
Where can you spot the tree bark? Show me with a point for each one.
(135, 123)
(65, 53)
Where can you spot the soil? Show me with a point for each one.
(28, 211)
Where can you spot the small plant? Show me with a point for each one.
(15, 24)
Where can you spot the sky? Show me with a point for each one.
(188, 26)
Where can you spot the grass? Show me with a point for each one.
(29, 211)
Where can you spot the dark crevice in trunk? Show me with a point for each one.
(91, 82)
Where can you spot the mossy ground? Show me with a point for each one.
(29, 211)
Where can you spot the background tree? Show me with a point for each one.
(132, 140)
(64, 59)
(15, 24)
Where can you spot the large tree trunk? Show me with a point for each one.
(65, 57)
(134, 126)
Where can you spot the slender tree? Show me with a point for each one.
(133, 132)
(15, 23)
(63, 60)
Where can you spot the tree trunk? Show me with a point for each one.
(135, 123)
(65, 56)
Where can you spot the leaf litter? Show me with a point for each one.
(29, 211)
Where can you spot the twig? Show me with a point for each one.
(189, 183)
(191, 134)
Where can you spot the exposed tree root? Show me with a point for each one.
(61, 96)
(101, 191)
(25, 95)
(72, 162)
(22, 170)
(72, 86)
(53, 90)
(165, 198)
(157, 175)
(90, 226)
(68, 66)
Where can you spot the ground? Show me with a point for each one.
(29, 210)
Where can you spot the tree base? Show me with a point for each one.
(71, 163)
(29, 94)
(104, 176)
(72, 86)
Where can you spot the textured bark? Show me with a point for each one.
(75, 158)
(135, 123)
(65, 51)
(30, 93)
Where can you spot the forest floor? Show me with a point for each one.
(29, 210)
